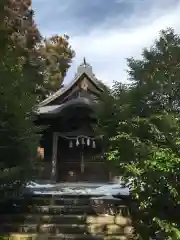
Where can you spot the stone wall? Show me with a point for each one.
(118, 226)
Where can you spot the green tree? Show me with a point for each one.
(19, 76)
(30, 69)
(56, 55)
(140, 128)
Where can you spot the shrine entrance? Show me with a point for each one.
(78, 160)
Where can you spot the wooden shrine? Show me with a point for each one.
(71, 150)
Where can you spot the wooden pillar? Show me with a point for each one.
(54, 157)
(110, 176)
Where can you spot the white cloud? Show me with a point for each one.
(107, 49)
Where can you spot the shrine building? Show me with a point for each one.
(71, 150)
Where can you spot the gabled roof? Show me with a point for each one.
(84, 68)
(56, 109)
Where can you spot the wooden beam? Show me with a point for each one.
(54, 157)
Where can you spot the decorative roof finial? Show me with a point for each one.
(84, 67)
(84, 61)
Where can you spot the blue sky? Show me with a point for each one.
(106, 32)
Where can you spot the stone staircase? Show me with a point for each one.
(59, 217)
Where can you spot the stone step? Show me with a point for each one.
(57, 209)
(44, 228)
(107, 219)
(95, 229)
(49, 209)
(65, 218)
(87, 237)
(69, 201)
(39, 218)
(19, 236)
(56, 196)
(110, 229)
(75, 237)
(25, 202)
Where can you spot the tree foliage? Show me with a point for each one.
(19, 76)
(30, 69)
(140, 126)
(50, 58)
(56, 54)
